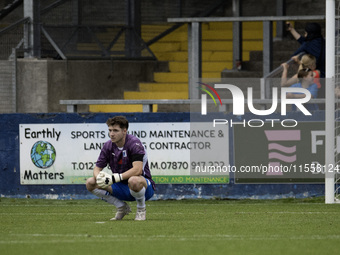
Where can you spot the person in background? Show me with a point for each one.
(305, 77)
(312, 42)
(306, 61)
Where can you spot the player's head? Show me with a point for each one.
(121, 121)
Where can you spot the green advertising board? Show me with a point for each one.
(280, 154)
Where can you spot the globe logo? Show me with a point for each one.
(43, 154)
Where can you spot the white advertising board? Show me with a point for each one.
(67, 153)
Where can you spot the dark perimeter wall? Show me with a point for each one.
(42, 83)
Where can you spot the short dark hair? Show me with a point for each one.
(118, 120)
(303, 72)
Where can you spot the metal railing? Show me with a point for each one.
(71, 105)
(148, 104)
(279, 69)
(266, 85)
(9, 8)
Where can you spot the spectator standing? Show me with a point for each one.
(313, 43)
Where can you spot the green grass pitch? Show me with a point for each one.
(288, 226)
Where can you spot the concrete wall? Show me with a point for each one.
(42, 83)
(32, 85)
(7, 95)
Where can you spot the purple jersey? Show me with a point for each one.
(120, 159)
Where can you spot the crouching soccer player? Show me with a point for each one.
(131, 179)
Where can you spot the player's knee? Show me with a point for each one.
(135, 183)
(90, 183)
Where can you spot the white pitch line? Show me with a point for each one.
(162, 213)
(154, 204)
(57, 238)
(39, 214)
(56, 205)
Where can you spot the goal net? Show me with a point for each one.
(332, 153)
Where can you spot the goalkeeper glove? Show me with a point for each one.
(104, 179)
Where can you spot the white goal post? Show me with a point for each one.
(331, 151)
